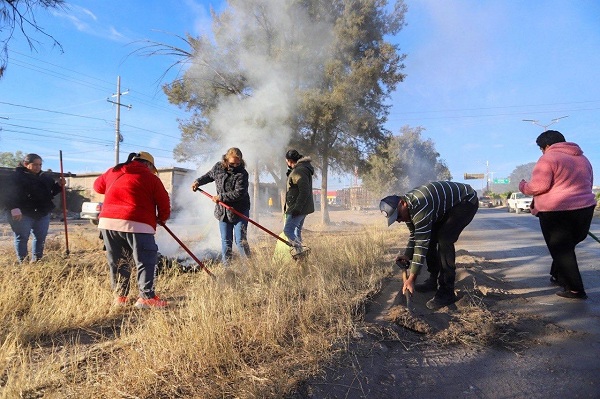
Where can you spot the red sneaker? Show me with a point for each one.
(121, 301)
(152, 303)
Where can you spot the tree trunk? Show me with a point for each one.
(324, 205)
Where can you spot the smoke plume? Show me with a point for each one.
(279, 51)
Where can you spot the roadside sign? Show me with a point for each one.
(502, 181)
(474, 176)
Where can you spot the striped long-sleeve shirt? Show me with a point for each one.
(428, 204)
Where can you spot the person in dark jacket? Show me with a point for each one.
(231, 182)
(29, 200)
(435, 214)
(135, 201)
(298, 197)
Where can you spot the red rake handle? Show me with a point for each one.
(224, 205)
(187, 250)
(64, 203)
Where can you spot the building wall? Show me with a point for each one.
(171, 177)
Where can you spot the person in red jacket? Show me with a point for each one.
(561, 185)
(135, 200)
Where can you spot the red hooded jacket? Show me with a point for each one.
(132, 192)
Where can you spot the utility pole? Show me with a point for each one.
(552, 122)
(487, 176)
(118, 137)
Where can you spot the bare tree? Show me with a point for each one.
(18, 16)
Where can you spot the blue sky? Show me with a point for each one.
(475, 70)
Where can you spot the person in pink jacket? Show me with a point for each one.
(561, 186)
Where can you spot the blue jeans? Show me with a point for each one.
(293, 229)
(237, 230)
(23, 228)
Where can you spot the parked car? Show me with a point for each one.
(519, 202)
(90, 211)
(486, 202)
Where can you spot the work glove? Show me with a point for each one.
(195, 186)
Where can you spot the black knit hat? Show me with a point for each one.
(293, 155)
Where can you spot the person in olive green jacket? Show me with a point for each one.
(298, 197)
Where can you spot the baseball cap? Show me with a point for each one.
(389, 207)
(146, 156)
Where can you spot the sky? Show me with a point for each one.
(474, 70)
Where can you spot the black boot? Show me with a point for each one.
(428, 285)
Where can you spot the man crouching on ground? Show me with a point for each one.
(135, 200)
(435, 214)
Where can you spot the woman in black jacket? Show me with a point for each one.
(29, 200)
(231, 181)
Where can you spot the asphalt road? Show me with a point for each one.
(515, 243)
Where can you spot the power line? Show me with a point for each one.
(58, 135)
(87, 117)
(54, 112)
(62, 68)
(499, 107)
(492, 115)
(104, 87)
(104, 143)
(151, 131)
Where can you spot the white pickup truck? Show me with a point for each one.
(519, 202)
(90, 211)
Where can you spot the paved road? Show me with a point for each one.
(516, 244)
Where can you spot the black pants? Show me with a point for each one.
(441, 255)
(562, 231)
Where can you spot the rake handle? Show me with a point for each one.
(403, 264)
(186, 249)
(64, 203)
(593, 236)
(224, 205)
(408, 295)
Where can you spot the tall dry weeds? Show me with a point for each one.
(255, 331)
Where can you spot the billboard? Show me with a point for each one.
(469, 176)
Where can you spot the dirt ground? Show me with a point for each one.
(487, 345)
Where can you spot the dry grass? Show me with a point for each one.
(255, 332)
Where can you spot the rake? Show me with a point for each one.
(298, 255)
